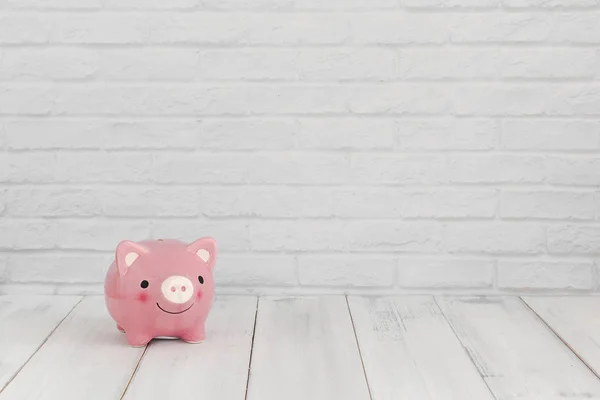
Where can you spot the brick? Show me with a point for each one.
(92, 234)
(344, 4)
(345, 133)
(576, 27)
(574, 99)
(357, 236)
(102, 167)
(124, 201)
(54, 202)
(58, 268)
(3, 268)
(309, 168)
(51, 4)
(498, 27)
(574, 239)
(445, 274)
(177, 100)
(4, 199)
(230, 235)
(248, 168)
(3, 133)
(255, 271)
(547, 205)
(147, 64)
(550, 134)
(247, 28)
(27, 167)
(548, 63)
(366, 202)
(426, 4)
(34, 63)
(397, 169)
(449, 204)
(16, 235)
(236, 5)
(545, 275)
(311, 202)
(440, 63)
(94, 134)
(494, 238)
(201, 99)
(244, 134)
(446, 134)
(403, 99)
(297, 64)
(556, 99)
(99, 28)
(298, 235)
(504, 100)
(150, 4)
(23, 28)
(550, 3)
(348, 270)
(574, 171)
(399, 28)
(248, 201)
(292, 5)
(175, 27)
(395, 236)
(496, 169)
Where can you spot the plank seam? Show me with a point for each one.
(435, 300)
(362, 363)
(41, 344)
(559, 337)
(251, 349)
(135, 369)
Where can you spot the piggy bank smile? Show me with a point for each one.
(170, 312)
(161, 288)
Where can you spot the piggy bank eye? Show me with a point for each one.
(144, 284)
(200, 279)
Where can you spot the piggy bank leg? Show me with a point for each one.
(119, 327)
(195, 335)
(137, 339)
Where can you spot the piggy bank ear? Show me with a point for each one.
(127, 253)
(205, 249)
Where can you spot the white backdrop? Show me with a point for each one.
(328, 146)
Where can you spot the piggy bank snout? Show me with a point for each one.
(177, 289)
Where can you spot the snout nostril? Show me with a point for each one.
(177, 289)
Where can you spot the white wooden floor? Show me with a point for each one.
(328, 347)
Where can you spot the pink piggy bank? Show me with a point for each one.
(159, 288)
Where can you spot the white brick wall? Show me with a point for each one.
(380, 146)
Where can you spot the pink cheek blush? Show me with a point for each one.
(143, 297)
(199, 295)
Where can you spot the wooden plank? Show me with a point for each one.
(576, 320)
(85, 358)
(518, 356)
(25, 322)
(410, 352)
(214, 369)
(305, 348)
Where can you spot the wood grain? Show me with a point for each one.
(410, 352)
(576, 320)
(25, 323)
(214, 369)
(518, 356)
(85, 358)
(305, 348)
